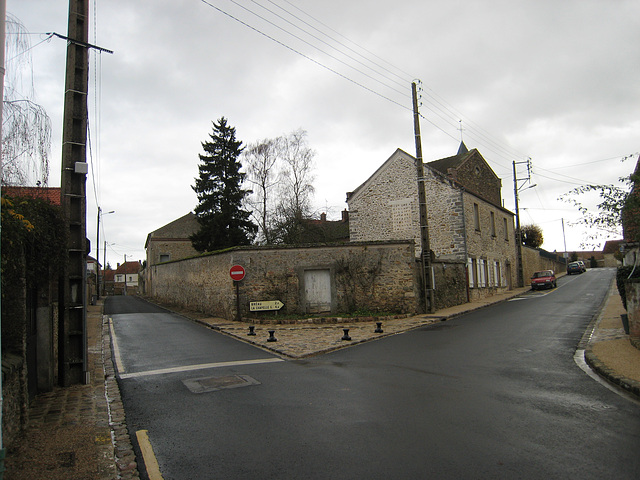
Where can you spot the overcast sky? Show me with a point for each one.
(554, 80)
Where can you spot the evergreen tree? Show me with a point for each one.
(223, 222)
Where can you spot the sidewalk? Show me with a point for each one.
(75, 433)
(609, 351)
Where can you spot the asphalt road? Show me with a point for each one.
(492, 394)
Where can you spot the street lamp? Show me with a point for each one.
(98, 250)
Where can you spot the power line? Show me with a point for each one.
(434, 103)
(305, 56)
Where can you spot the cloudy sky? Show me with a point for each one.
(557, 81)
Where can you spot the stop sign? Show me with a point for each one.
(237, 273)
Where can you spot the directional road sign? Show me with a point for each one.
(268, 305)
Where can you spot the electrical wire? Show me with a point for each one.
(304, 56)
(435, 104)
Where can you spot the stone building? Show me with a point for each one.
(469, 230)
(169, 243)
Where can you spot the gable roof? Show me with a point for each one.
(49, 194)
(456, 161)
(394, 155)
(128, 268)
(612, 246)
(181, 228)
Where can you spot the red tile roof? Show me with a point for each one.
(50, 194)
(128, 267)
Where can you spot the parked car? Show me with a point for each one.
(584, 267)
(543, 279)
(575, 267)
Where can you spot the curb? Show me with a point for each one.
(627, 384)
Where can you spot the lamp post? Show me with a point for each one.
(98, 251)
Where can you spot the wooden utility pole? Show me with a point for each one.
(427, 276)
(73, 334)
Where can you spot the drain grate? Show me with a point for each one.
(213, 384)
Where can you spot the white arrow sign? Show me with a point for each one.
(268, 305)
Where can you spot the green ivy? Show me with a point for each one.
(33, 228)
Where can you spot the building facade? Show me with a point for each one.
(466, 222)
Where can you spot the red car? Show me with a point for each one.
(543, 279)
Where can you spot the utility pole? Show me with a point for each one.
(98, 255)
(518, 232)
(98, 250)
(73, 349)
(3, 13)
(427, 274)
(73, 276)
(104, 256)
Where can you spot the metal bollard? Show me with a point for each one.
(272, 337)
(251, 332)
(379, 328)
(346, 334)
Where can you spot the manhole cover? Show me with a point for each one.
(213, 384)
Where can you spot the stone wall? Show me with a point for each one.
(446, 217)
(632, 291)
(15, 410)
(450, 283)
(379, 276)
(490, 247)
(532, 262)
(386, 206)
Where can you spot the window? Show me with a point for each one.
(482, 273)
(471, 269)
(506, 230)
(164, 257)
(493, 224)
(476, 216)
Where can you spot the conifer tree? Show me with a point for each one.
(223, 222)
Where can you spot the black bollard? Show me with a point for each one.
(251, 332)
(272, 337)
(379, 328)
(346, 334)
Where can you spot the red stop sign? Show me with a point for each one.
(237, 273)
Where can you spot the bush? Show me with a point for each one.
(621, 275)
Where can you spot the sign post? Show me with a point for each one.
(237, 274)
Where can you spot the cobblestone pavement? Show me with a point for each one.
(80, 432)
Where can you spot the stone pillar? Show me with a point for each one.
(632, 290)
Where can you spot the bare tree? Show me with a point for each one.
(261, 159)
(296, 187)
(26, 129)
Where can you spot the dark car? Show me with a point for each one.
(543, 279)
(576, 267)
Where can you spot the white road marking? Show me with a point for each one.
(115, 348)
(202, 366)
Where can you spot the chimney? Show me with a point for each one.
(345, 215)
(323, 217)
